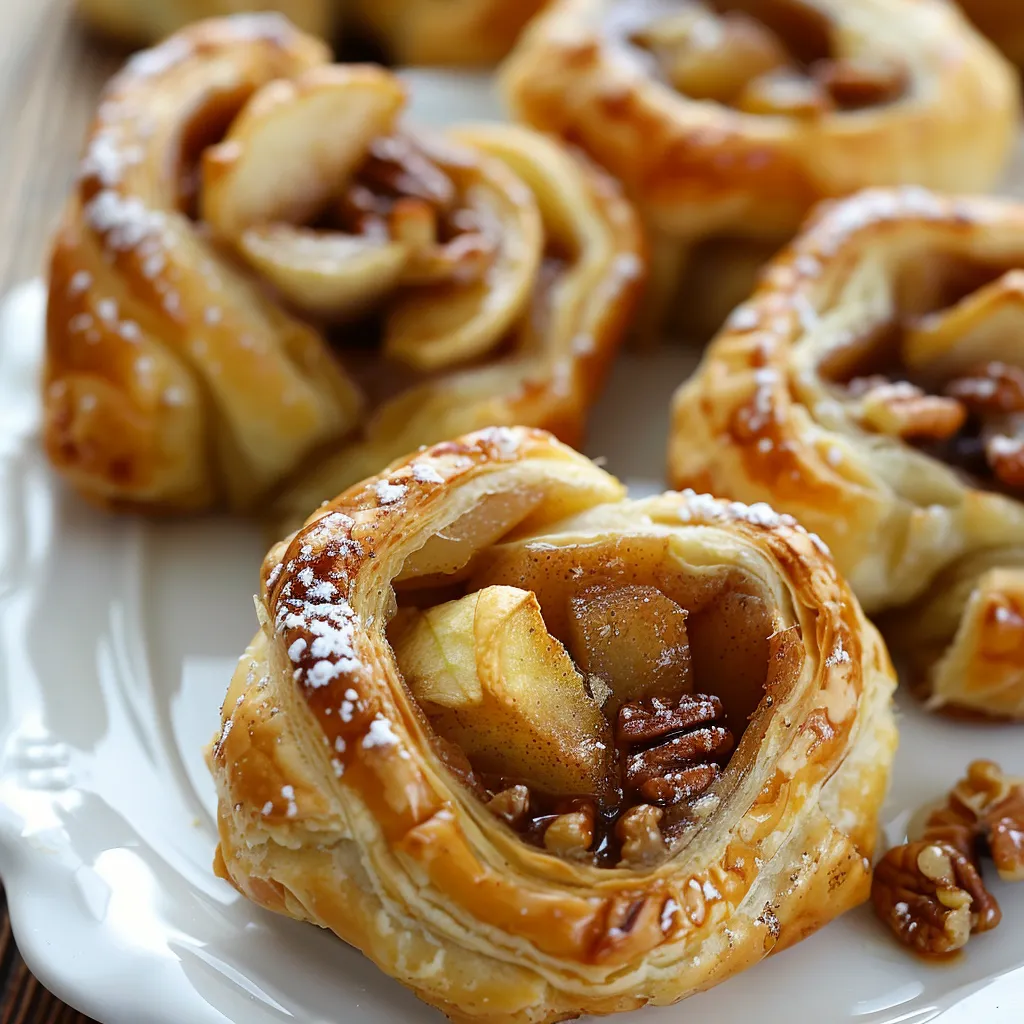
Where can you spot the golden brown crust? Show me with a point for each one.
(335, 806)
(701, 170)
(461, 33)
(935, 550)
(176, 380)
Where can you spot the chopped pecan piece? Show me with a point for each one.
(932, 897)
(858, 82)
(1005, 456)
(674, 749)
(398, 167)
(990, 388)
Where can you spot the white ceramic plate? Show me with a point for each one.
(117, 640)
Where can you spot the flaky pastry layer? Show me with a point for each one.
(337, 808)
(188, 364)
(702, 170)
(928, 547)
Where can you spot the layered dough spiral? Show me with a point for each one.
(873, 387)
(261, 271)
(726, 120)
(538, 750)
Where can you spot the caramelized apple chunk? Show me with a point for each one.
(493, 680)
(633, 640)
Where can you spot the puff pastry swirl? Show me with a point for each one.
(538, 750)
(873, 387)
(727, 120)
(261, 270)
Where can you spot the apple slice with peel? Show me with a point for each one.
(493, 680)
(294, 145)
(326, 273)
(631, 641)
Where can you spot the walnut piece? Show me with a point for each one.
(930, 892)
(571, 835)
(511, 805)
(639, 831)
(674, 749)
(932, 897)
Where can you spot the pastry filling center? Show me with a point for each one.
(948, 381)
(415, 256)
(759, 56)
(590, 694)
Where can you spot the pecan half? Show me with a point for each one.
(674, 750)
(901, 409)
(932, 897)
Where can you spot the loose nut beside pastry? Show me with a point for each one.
(538, 750)
(930, 891)
(873, 387)
(266, 286)
(726, 122)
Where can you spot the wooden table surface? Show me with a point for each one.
(50, 75)
(51, 72)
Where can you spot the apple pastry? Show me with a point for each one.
(538, 750)
(873, 387)
(727, 119)
(266, 286)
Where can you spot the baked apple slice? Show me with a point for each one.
(493, 680)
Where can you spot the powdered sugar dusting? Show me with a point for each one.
(389, 493)
(380, 734)
(704, 506)
(426, 474)
(839, 656)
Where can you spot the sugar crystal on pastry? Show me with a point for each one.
(585, 747)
